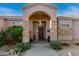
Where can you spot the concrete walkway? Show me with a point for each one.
(41, 49)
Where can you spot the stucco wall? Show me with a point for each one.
(45, 9)
(65, 29)
(75, 30)
(2, 24)
(13, 22)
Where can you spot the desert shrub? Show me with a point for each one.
(21, 47)
(65, 44)
(55, 45)
(76, 43)
(15, 32)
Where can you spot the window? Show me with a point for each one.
(18, 22)
(65, 26)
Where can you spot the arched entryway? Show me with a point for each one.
(39, 22)
(39, 26)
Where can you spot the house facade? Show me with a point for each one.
(40, 22)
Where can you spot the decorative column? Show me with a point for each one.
(53, 30)
(26, 30)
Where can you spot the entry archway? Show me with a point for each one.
(46, 18)
(39, 25)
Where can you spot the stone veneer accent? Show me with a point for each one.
(53, 32)
(26, 30)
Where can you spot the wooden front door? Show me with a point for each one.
(41, 33)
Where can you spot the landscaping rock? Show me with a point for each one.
(7, 51)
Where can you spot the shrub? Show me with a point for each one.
(15, 32)
(55, 45)
(2, 38)
(76, 43)
(65, 44)
(21, 47)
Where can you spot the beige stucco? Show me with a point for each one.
(75, 30)
(2, 24)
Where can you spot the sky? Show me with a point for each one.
(15, 9)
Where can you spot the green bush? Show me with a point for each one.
(21, 47)
(15, 32)
(2, 38)
(55, 45)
